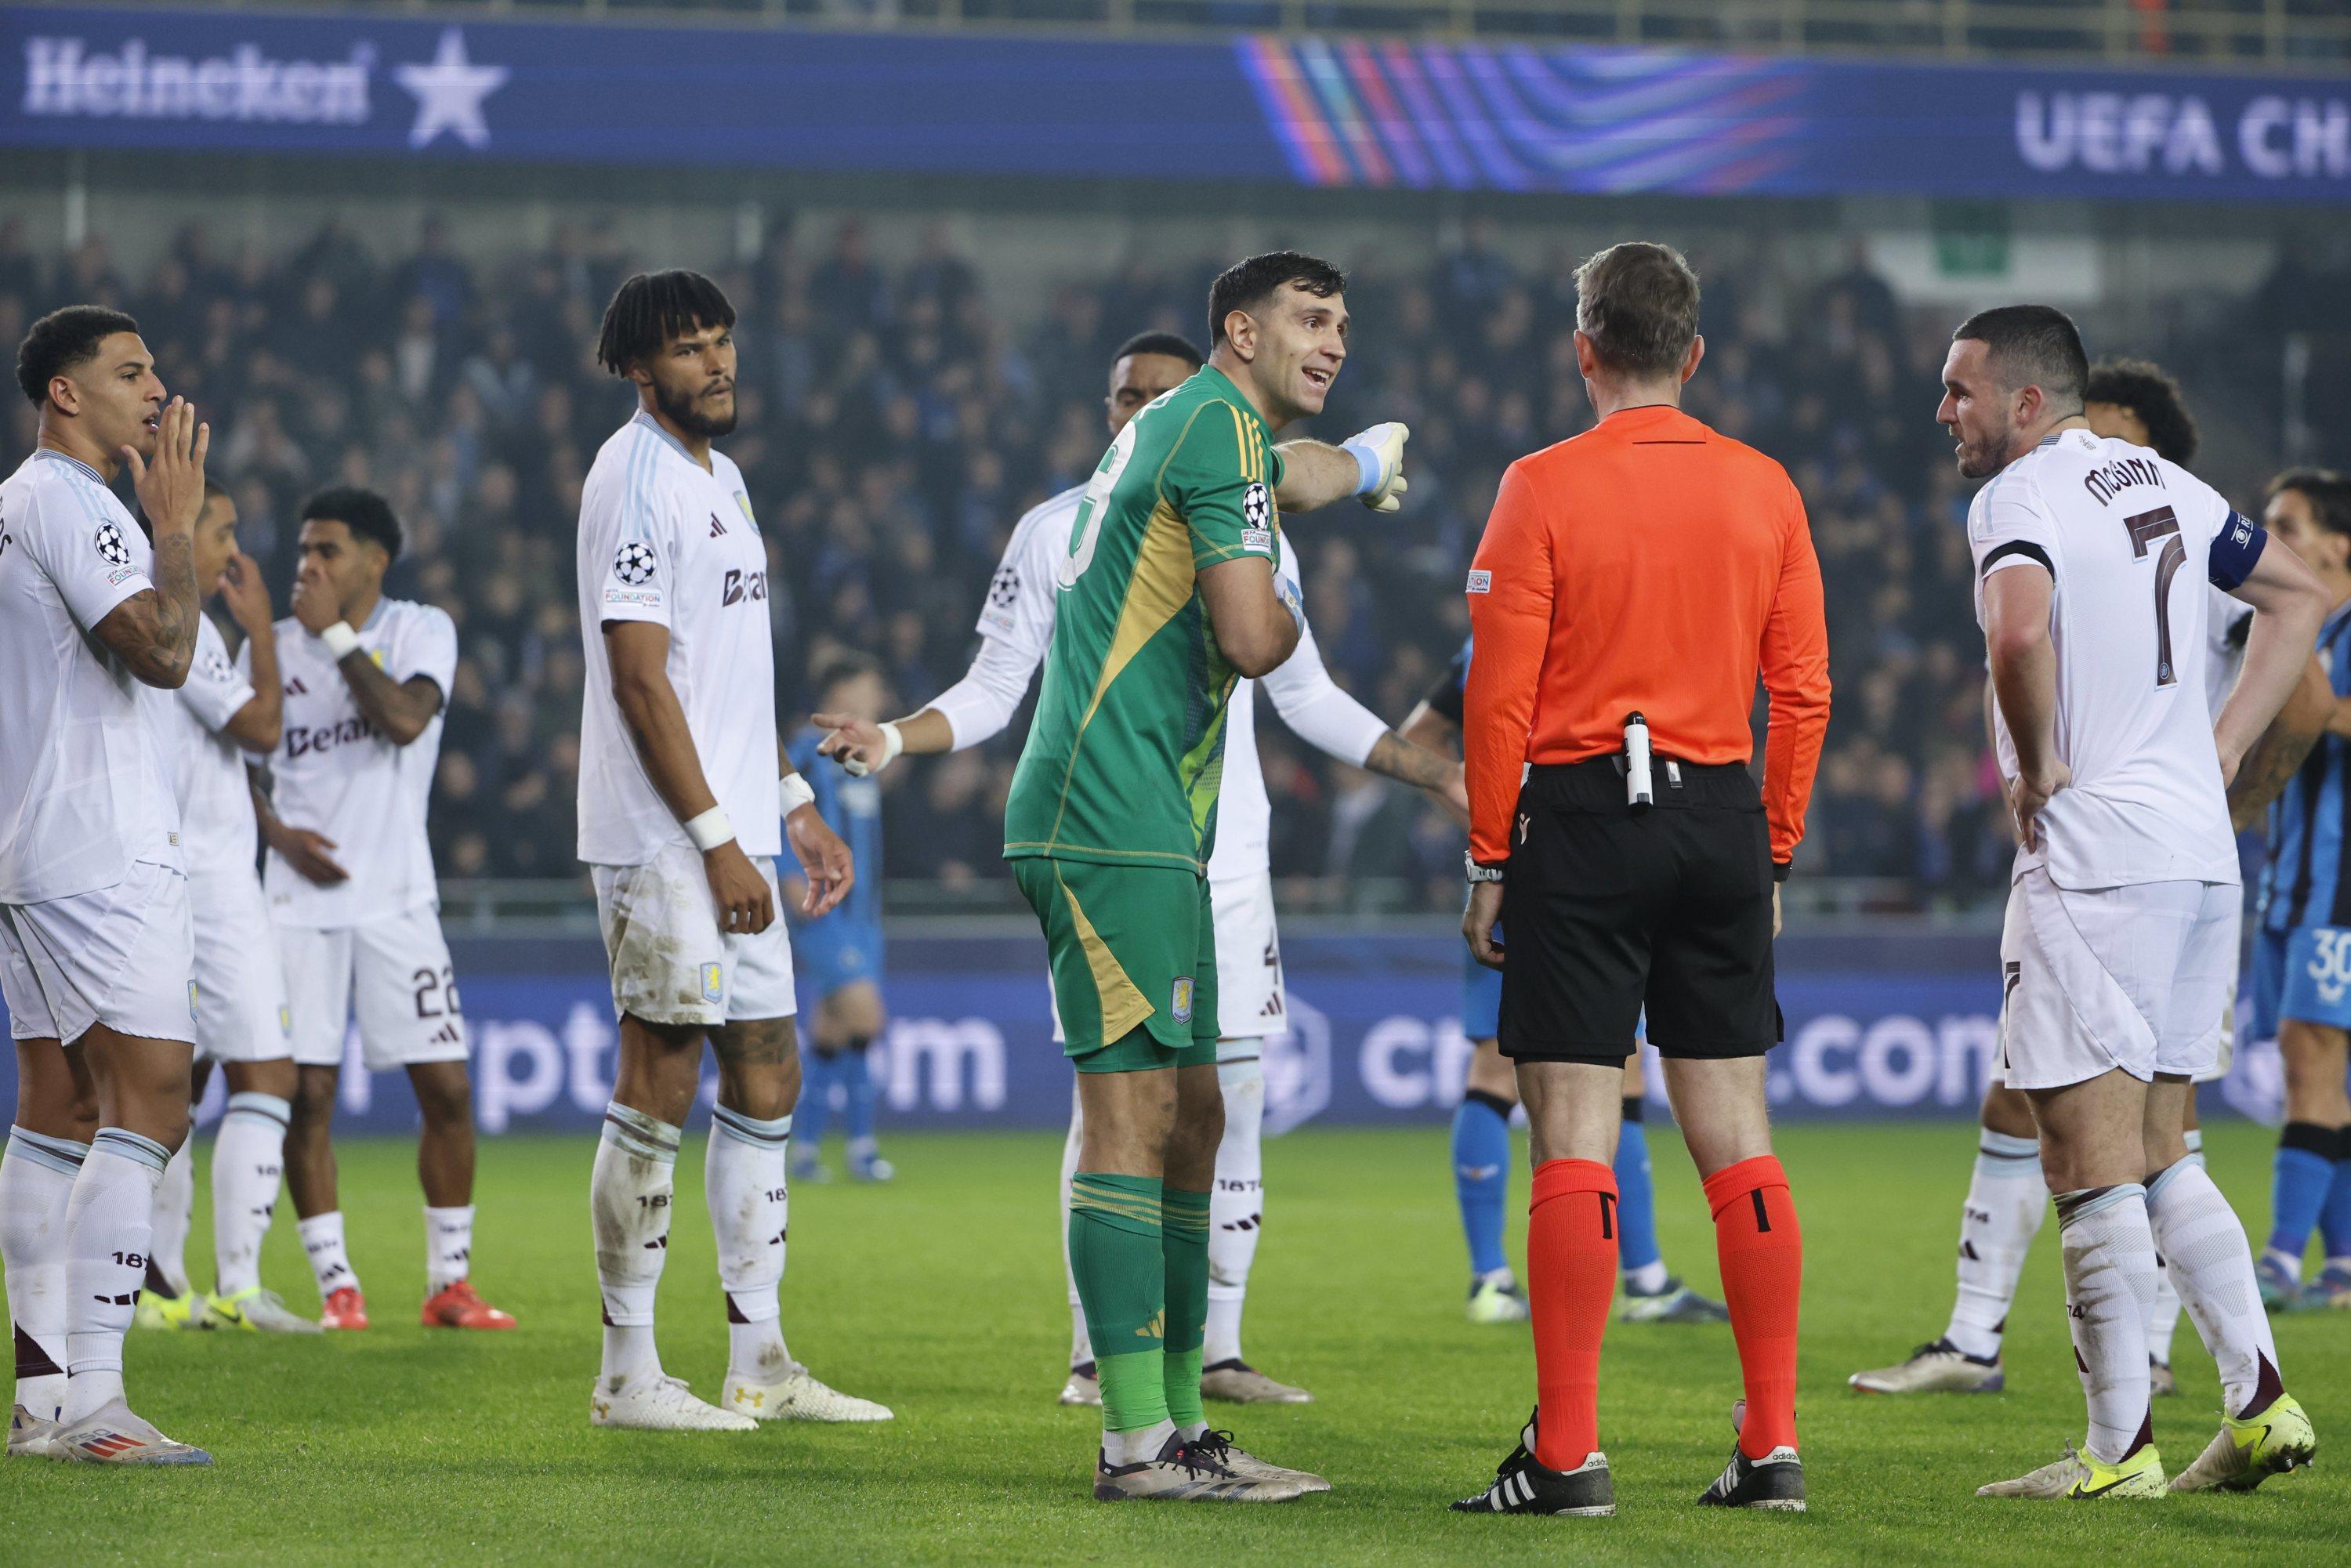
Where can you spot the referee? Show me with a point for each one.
(1632, 585)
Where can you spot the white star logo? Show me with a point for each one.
(449, 93)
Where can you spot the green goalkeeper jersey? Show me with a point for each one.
(1127, 750)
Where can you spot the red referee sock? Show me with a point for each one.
(1571, 1278)
(1763, 1256)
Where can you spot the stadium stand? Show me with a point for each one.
(895, 426)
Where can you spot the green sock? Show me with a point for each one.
(1115, 1254)
(1184, 1239)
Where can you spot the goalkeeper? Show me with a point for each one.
(1167, 596)
(1016, 627)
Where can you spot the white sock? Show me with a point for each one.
(1133, 1448)
(1235, 1208)
(37, 1178)
(1649, 1279)
(2006, 1202)
(743, 1178)
(2204, 1248)
(249, 1160)
(1082, 1344)
(322, 1239)
(2163, 1315)
(2109, 1279)
(175, 1211)
(448, 1246)
(109, 1220)
(629, 1200)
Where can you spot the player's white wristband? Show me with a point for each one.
(893, 741)
(710, 830)
(340, 639)
(798, 792)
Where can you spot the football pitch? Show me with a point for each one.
(941, 1296)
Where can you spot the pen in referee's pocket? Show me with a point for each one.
(1637, 762)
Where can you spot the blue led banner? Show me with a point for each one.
(1898, 1026)
(1519, 118)
(1354, 113)
(90, 77)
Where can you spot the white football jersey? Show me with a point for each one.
(1018, 614)
(1019, 608)
(664, 540)
(83, 790)
(2127, 538)
(2225, 625)
(336, 774)
(207, 767)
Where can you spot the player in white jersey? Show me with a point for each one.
(2120, 947)
(2007, 1201)
(681, 810)
(206, 730)
(349, 882)
(1016, 627)
(95, 951)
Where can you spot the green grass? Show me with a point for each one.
(941, 1296)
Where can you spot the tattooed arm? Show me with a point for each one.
(401, 709)
(2278, 755)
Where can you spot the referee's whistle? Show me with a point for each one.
(1637, 793)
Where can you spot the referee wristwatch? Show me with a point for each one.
(1477, 873)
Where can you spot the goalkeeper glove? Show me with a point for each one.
(1379, 460)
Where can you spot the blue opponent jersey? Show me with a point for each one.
(2301, 880)
(852, 808)
(1447, 695)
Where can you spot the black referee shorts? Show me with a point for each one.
(1605, 912)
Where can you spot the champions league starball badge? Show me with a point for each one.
(634, 564)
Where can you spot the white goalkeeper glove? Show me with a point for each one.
(1379, 458)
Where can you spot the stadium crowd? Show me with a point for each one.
(893, 428)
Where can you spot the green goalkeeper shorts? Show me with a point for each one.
(1132, 953)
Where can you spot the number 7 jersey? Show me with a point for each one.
(1125, 758)
(2130, 542)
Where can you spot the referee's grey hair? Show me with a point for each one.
(1637, 302)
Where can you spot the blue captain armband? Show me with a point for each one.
(2235, 549)
(1284, 591)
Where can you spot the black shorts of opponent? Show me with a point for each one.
(1607, 912)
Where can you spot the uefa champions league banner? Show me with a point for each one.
(1367, 113)
(1878, 1029)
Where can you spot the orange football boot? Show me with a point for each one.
(344, 1309)
(455, 1306)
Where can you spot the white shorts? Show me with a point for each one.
(1251, 1003)
(2222, 1060)
(2131, 978)
(116, 956)
(391, 974)
(241, 1009)
(670, 964)
(2226, 1056)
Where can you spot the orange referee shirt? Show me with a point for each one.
(1648, 564)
